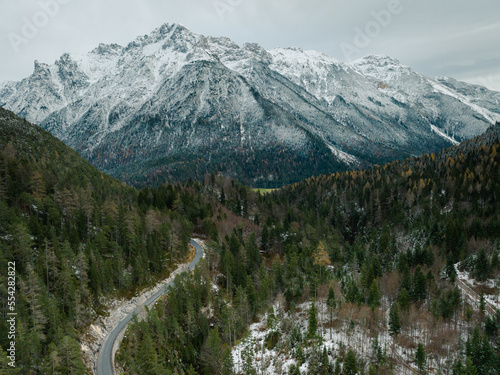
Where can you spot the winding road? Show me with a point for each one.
(105, 359)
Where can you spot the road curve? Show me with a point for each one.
(105, 360)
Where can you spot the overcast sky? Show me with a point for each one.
(457, 38)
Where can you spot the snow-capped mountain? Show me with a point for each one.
(174, 104)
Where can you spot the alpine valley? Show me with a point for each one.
(174, 105)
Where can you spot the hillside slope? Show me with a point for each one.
(76, 237)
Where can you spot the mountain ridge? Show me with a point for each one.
(174, 94)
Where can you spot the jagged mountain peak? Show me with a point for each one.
(383, 68)
(107, 49)
(377, 60)
(41, 68)
(174, 93)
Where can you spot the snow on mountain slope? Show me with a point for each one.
(174, 97)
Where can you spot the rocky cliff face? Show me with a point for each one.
(174, 104)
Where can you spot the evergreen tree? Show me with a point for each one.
(350, 363)
(293, 370)
(265, 237)
(251, 294)
(482, 266)
(419, 285)
(374, 295)
(404, 299)
(330, 303)
(147, 355)
(451, 273)
(252, 253)
(421, 358)
(227, 361)
(211, 355)
(470, 369)
(313, 320)
(394, 321)
(71, 361)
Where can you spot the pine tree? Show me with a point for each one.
(404, 299)
(482, 266)
(147, 356)
(313, 320)
(470, 369)
(31, 290)
(350, 363)
(374, 295)
(252, 253)
(251, 293)
(248, 360)
(222, 196)
(293, 370)
(71, 361)
(265, 237)
(451, 273)
(421, 358)
(458, 367)
(211, 355)
(330, 303)
(419, 285)
(337, 369)
(22, 246)
(227, 361)
(394, 321)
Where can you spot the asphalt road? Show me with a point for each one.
(104, 361)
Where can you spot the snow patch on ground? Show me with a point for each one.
(492, 300)
(491, 117)
(343, 156)
(440, 133)
(344, 336)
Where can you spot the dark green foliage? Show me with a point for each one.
(313, 320)
(404, 299)
(374, 295)
(448, 303)
(78, 235)
(483, 357)
(419, 290)
(421, 358)
(394, 320)
(271, 340)
(481, 266)
(75, 234)
(350, 363)
(294, 370)
(451, 273)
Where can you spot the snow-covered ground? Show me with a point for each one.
(344, 335)
(352, 328)
(467, 284)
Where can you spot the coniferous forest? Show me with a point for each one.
(388, 270)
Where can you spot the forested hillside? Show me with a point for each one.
(75, 235)
(394, 269)
(390, 270)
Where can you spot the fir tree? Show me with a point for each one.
(421, 358)
(404, 299)
(313, 320)
(350, 363)
(394, 321)
(330, 303)
(374, 295)
(419, 285)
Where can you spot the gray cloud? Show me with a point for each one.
(458, 38)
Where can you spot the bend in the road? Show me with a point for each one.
(105, 359)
